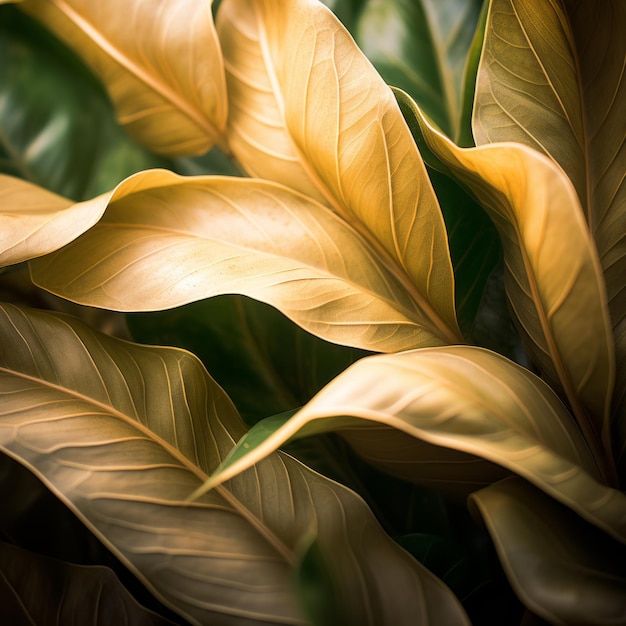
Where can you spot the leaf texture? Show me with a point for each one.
(309, 110)
(123, 433)
(162, 65)
(166, 240)
(463, 398)
(552, 77)
(560, 567)
(553, 276)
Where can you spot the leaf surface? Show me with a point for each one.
(553, 276)
(35, 589)
(563, 569)
(166, 240)
(552, 77)
(163, 68)
(465, 399)
(123, 433)
(308, 110)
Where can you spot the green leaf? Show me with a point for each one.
(166, 79)
(415, 412)
(331, 129)
(57, 128)
(264, 362)
(421, 46)
(123, 433)
(563, 569)
(552, 77)
(553, 277)
(34, 588)
(166, 240)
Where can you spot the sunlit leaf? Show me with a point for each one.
(123, 433)
(553, 276)
(35, 589)
(166, 240)
(461, 399)
(308, 110)
(57, 128)
(552, 77)
(563, 569)
(162, 66)
(421, 46)
(264, 362)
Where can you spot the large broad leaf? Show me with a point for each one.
(264, 362)
(563, 569)
(309, 110)
(553, 276)
(163, 68)
(422, 47)
(123, 433)
(462, 398)
(167, 240)
(552, 77)
(57, 128)
(34, 588)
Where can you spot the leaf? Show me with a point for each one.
(563, 569)
(123, 433)
(57, 128)
(331, 129)
(421, 47)
(552, 77)
(553, 276)
(34, 221)
(166, 240)
(265, 363)
(457, 399)
(35, 589)
(163, 68)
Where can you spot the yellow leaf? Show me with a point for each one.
(161, 64)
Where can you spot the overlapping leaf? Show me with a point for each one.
(553, 277)
(167, 240)
(123, 433)
(562, 569)
(462, 398)
(309, 110)
(552, 77)
(162, 66)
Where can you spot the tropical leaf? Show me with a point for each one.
(167, 240)
(540, 84)
(163, 68)
(57, 128)
(457, 399)
(35, 589)
(563, 569)
(331, 129)
(553, 276)
(422, 47)
(264, 362)
(123, 433)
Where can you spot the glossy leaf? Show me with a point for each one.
(167, 240)
(35, 589)
(163, 68)
(34, 221)
(553, 276)
(331, 128)
(57, 128)
(122, 433)
(462, 398)
(563, 569)
(552, 77)
(264, 362)
(421, 46)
